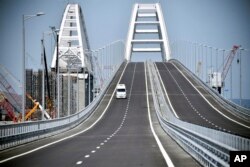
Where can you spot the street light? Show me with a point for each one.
(24, 18)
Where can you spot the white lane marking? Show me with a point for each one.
(172, 108)
(208, 101)
(98, 147)
(102, 144)
(68, 137)
(78, 162)
(118, 129)
(87, 156)
(184, 94)
(163, 151)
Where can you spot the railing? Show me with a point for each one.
(208, 146)
(234, 108)
(203, 60)
(15, 134)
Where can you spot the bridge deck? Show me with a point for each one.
(121, 138)
(191, 107)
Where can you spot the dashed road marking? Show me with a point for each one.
(78, 162)
(120, 126)
(231, 119)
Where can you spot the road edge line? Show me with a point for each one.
(208, 101)
(163, 151)
(68, 137)
(166, 93)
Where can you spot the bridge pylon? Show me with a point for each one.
(147, 20)
(72, 62)
(73, 44)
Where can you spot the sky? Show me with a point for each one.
(218, 23)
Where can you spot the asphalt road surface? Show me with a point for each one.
(191, 107)
(122, 137)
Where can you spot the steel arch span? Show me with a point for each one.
(148, 20)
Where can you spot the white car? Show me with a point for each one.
(121, 91)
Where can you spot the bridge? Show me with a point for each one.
(174, 114)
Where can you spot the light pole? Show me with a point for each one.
(24, 18)
(240, 60)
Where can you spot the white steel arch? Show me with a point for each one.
(73, 43)
(141, 16)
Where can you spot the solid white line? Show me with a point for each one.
(163, 151)
(68, 137)
(208, 101)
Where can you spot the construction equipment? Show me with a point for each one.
(5, 79)
(5, 104)
(37, 105)
(28, 115)
(48, 99)
(217, 78)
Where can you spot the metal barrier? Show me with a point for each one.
(208, 146)
(15, 134)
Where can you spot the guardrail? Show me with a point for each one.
(236, 109)
(208, 146)
(15, 134)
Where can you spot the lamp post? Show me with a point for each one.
(24, 18)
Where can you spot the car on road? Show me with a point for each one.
(121, 91)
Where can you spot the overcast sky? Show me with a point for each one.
(219, 23)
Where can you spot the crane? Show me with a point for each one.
(5, 104)
(49, 100)
(36, 105)
(218, 78)
(229, 62)
(7, 80)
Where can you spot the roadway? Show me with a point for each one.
(191, 107)
(122, 137)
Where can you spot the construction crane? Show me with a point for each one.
(48, 99)
(5, 104)
(5, 79)
(218, 78)
(36, 105)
